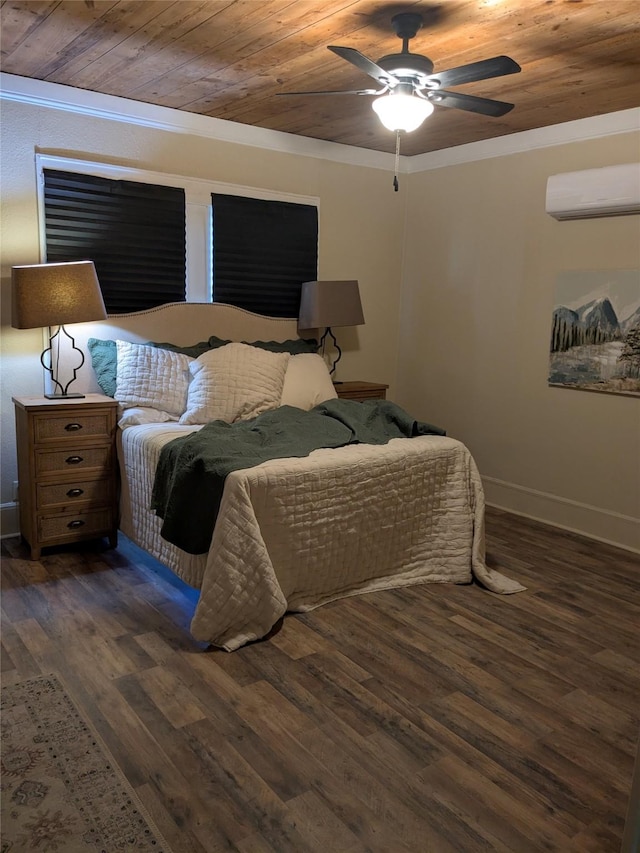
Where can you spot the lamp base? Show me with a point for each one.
(52, 367)
(335, 343)
(65, 396)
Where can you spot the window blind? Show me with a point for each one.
(133, 232)
(262, 252)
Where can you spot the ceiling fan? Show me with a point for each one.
(409, 88)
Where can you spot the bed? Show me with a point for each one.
(291, 534)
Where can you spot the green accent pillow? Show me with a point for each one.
(192, 351)
(293, 347)
(104, 358)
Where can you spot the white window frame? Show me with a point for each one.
(198, 213)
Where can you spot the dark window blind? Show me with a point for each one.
(133, 232)
(262, 252)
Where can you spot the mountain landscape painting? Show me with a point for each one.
(595, 332)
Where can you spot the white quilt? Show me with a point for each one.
(293, 534)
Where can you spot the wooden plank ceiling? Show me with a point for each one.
(230, 59)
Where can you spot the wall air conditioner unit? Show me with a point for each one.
(609, 191)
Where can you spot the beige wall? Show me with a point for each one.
(457, 302)
(481, 261)
(360, 231)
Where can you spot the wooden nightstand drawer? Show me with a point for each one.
(53, 529)
(361, 390)
(73, 459)
(65, 496)
(72, 426)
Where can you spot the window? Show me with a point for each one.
(262, 252)
(89, 210)
(133, 232)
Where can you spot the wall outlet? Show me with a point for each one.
(15, 491)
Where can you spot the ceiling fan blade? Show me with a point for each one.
(484, 106)
(360, 61)
(340, 92)
(499, 66)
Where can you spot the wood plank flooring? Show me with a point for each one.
(432, 719)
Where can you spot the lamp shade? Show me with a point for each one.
(55, 294)
(399, 111)
(330, 303)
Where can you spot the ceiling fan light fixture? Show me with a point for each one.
(399, 111)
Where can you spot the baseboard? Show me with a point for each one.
(9, 523)
(623, 531)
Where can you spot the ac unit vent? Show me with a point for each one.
(609, 191)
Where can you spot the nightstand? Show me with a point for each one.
(361, 390)
(66, 470)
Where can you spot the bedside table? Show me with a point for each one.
(361, 390)
(66, 470)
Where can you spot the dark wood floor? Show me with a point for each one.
(435, 719)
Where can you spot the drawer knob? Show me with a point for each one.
(73, 460)
(73, 427)
(78, 522)
(75, 493)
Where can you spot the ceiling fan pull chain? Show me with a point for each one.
(395, 176)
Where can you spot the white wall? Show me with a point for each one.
(481, 262)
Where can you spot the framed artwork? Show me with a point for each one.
(595, 332)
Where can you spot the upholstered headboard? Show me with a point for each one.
(181, 323)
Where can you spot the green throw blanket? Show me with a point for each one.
(191, 471)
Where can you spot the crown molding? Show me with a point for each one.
(82, 102)
(55, 96)
(611, 124)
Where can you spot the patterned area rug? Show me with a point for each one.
(61, 790)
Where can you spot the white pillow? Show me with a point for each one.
(152, 377)
(137, 415)
(307, 382)
(234, 383)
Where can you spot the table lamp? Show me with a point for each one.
(324, 304)
(54, 295)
